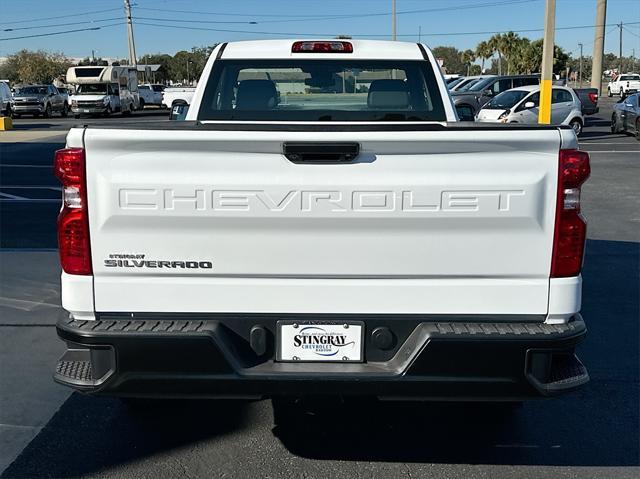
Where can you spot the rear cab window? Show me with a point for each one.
(322, 90)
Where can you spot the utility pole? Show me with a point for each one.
(620, 71)
(132, 46)
(598, 45)
(393, 20)
(580, 69)
(546, 82)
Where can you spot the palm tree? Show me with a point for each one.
(484, 52)
(468, 57)
(495, 43)
(509, 43)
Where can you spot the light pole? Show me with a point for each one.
(393, 20)
(132, 45)
(188, 76)
(546, 82)
(598, 44)
(621, 70)
(580, 70)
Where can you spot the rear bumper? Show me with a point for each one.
(214, 356)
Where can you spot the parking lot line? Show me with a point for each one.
(34, 187)
(25, 166)
(7, 196)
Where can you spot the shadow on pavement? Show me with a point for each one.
(28, 223)
(31, 126)
(586, 134)
(595, 426)
(90, 434)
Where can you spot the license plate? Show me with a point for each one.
(87, 111)
(320, 342)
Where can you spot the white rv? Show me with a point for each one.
(103, 90)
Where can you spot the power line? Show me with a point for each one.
(63, 32)
(629, 31)
(82, 14)
(325, 34)
(61, 24)
(193, 21)
(494, 3)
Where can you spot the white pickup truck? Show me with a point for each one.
(173, 96)
(321, 223)
(624, 85)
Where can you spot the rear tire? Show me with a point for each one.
(64, 111)
(77, 117)
(141, 104)
(47, 111)
(638, 129)
(576, 125)
(614, 124)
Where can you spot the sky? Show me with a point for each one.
(168, 26)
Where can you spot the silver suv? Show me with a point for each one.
(39, 100)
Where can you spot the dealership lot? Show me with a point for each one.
(49, 432)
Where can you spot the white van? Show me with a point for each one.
(103, 90)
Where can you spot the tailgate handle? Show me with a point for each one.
(335, 152)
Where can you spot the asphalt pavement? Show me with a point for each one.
(47, 431)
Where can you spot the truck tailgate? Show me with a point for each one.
(448, 221)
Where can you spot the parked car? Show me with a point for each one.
(521, 105)
(173, 96)
(6, 99)
(151, 95)
(488, 87)
(454, 81)
(64, 91)
(589, 99)
(466, 83)
(292, 238)
(624, 85)
(450, 78)
(626, 116)
(39, 100)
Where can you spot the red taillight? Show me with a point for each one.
(593, 96)
(570, 228)
(322, 47)
(73, 220)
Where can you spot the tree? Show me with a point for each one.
(86, 61)
(28, 66)
(188, 66)
(509, 42)
(467, 57)
(451, 59)
(162, 59)
(496, 45)
(484, 52)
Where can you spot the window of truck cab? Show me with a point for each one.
(322, 90)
